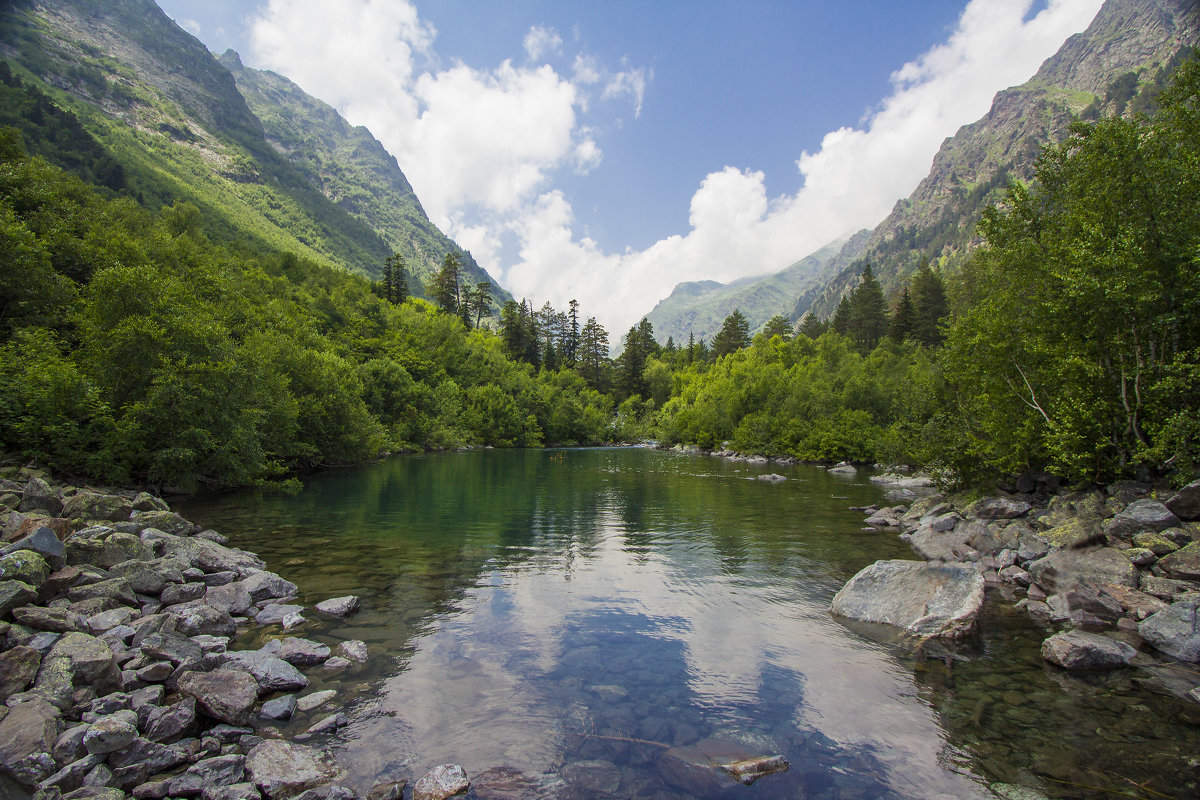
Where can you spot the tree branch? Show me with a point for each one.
(1032, 402)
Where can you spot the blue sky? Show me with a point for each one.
(606, 151)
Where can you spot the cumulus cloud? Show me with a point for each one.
(542, 40)
(191, 26)
(482, 147)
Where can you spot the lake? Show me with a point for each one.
(581, 622)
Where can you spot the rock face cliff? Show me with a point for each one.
(261, 159)
(1114, 67)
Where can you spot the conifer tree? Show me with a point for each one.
(813, 326)
(445, 288)
(868, 322)
(901, 321)
(840, 322)
(733, 336)
(929, 305)
(778, 325)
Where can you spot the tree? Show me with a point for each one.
(780, 326)
(840, 322)
(631, 364)
(593, 354)
(929, 306)
(901, 321)
(394, 286)
(813, 326)
(445, 286)
(571, 345)
(481, 300)
(733, 336)
(868, 323)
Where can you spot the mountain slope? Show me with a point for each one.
(1089, 75)
(351, 168)
(698, 308)
(174, 118)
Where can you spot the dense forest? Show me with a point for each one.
(137, 349)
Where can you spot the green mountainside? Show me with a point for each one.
(1114, 68)
(174, 119)
(698, 308)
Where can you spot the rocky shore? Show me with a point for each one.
(117, 673)
(1116, 569)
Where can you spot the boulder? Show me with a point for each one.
(1073, 533)
(39, 496)
(114, 589)
(166, 724)
(18, 668)
(353, 649)
(923, 600)
(144, 501)
(932, 544)
(225, 694)
(264, 585)
(164, 521)
(143, 758)
(232, 598)
(179, 650)
(94, 505)
(118, 547)
(998, 508)
(276, 613)
(1184, 563)
(57, 620)
(296, 651)
(284, 769)
(43, 540)
(27, 736)
(339, 606)
(271, 673)
(195, 619)
(25, 566)
(1141, 515)
(281, 708)
(441, 782)
(315, 700)
(234, 791)
(1185, 503)
(91, 660)
(14, 594)
(1078, 650)
(111, 733)
(1062, 570)
(1175, 631)
(217, 771)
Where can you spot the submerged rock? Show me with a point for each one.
(924, 600)
(339, 606)
(1078, 650)
(1175, 631)
(446, 780)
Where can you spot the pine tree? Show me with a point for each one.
(929, 305)
(593, 354)
(840, 322)
(481, 299)
(778, 325)
(444, 288)
(571, 346)
(733, 336)
(868, 323)
(813, 326)
(901, 320)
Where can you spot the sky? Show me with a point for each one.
(607, 151)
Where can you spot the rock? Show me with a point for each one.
(42, 540)
(164, 521)
(296, 651)
(93, 505)
(91, 660)
(224, 694)
(747, 771)
(337, 662)
(111, 733)
(844, 468)
(1012, 791)
(217, 771)
(339, 606)
(179, 650)
(167, 724)
(281, 708)
(284, 769)
(1183, 563)
(998, 508)
(923, 600)
(935, 545)
(144, 501)
(182, 593)
(1077, 650)
(58, 620)
(148, 577)
(1155, 542)
(276, 613)
(325, 725)
(916, 481)
(264, 585)
(771, 477)
(28, 731)
(234, 791)
(198, 618)
(107, 620)
(144, 758)
(1141, 515)
(71, 776)
(391, 790)
(1166, 588)
(446, 780)
(18, 668)
(96, 793)
(315, 700)
(1175, 631)
(1061, 570)
(39, 496)
(232, 597)
(1185, 503)
(272, 673)
(25, 566)
(14, 594)
(1136, 603)
(353, 649)
(155, 672)
(1073, 533)
(114, 588)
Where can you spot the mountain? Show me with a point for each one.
(1116, 67)
(291, 177)
(698, 308)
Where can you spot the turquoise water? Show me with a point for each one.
(582, 617)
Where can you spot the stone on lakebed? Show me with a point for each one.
(922, 600)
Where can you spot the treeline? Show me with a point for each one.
(132, 348)
(1069, 343)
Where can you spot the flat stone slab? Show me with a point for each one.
(923, 600)
(1079, 650)
(285, 769)
(339, 606)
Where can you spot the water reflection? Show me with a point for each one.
(576, 613)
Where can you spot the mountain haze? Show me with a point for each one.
(1114, 67)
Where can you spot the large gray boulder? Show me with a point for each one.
(1063, 570)
(25, 566)
(91, 660)
(1079, 650)
(284, 769)
(18, 668)
(40, 497)
(271, 672)
(14, 594)
(923, 600)
(297, 652)
(1141, 515)
(224, 694)
(1175, 631)
(441, 782)
(1185, 503)
(1183, 563)
(94, 505)
(266, 585)
(27, 736)
(998, 508)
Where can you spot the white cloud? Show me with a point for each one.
(191, 26)
(482, 146)
(542, 40)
